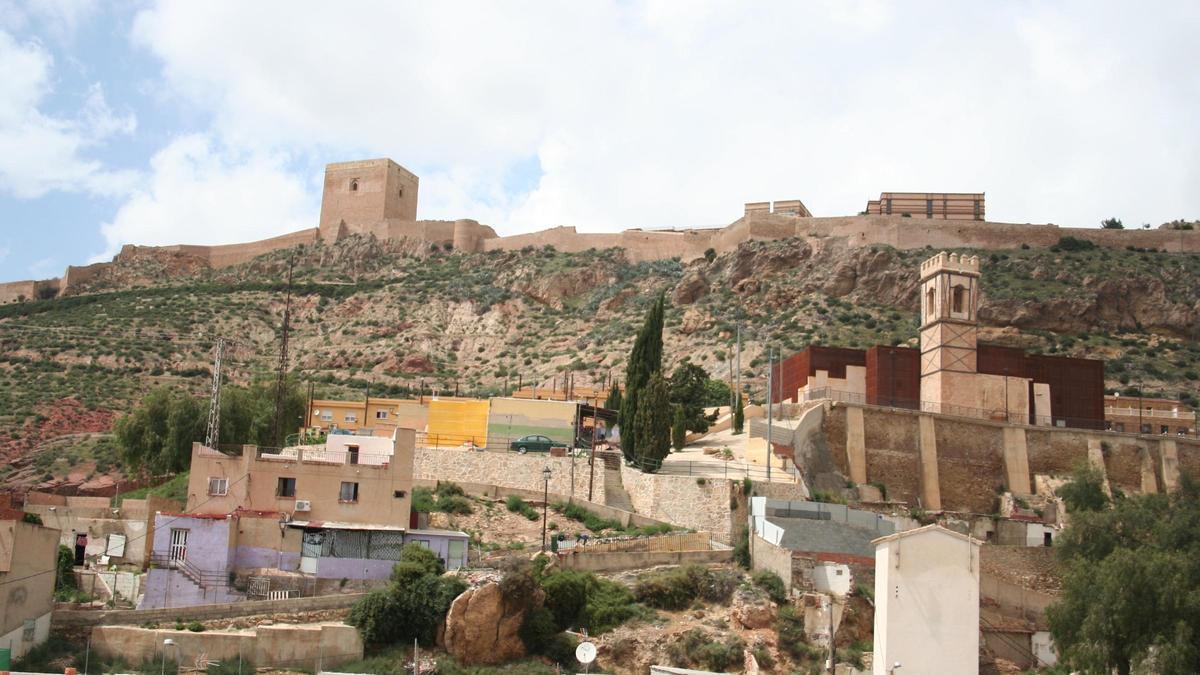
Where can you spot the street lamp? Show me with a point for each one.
(166, 643)
(545, 500)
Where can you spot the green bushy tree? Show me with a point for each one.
(1131, 585)
(412, 606)
(739, 415)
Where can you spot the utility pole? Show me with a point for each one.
(213, 437)
(281, 381)
(770, 395)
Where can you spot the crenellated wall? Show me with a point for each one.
(469, 236)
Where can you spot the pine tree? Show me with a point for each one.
(679, 429)
(645, 359)
(739, 416)
(652, 426)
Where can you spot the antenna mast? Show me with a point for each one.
(213, 437)
(281, 381)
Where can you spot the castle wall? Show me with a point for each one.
(971, 455)
(16, 291)
(236, 254)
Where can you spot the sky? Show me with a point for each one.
(210, 122)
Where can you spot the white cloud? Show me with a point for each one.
(40, 152)
(660, 113)
(202, 193)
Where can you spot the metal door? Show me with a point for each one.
(178, 545)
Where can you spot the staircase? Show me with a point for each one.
(614, 489)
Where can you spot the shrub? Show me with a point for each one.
(537, 628)
(1069, 243)
(412, 606)
(676, 589)
(449, 489)
(741, 549)
(566, 597)
(195, 627)
(698, 647)
(771, 583)
(455, 504)
(789, 624)
(422, 500)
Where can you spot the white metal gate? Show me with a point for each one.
(178, 545)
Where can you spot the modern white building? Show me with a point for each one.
(926, 603)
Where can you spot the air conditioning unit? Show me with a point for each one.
(303, 505)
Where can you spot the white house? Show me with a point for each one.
(926, 603)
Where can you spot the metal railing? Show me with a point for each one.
(988, 414)
(713, 469)
(205, 579)
(484, 442)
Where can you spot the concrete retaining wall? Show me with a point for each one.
(625, 518)
(767, 556)
(75, 618)
(291, 647)
(586, 561)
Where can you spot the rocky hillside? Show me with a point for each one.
(397, 315)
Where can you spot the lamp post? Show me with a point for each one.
(545, 500)
(163, 667)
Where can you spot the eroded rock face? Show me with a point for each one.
(753, 615)
(690, 289)
(481, 630)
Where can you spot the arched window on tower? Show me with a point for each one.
(354, 185)
(958, 299)
(929, 311)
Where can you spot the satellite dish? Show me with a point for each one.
(586, 652)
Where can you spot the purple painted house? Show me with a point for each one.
(316, 515)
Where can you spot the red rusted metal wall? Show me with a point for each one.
(793, 372)
(894, 377)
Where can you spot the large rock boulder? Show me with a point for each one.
(482, 630)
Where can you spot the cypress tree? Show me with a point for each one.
(645, 359)
(613, 402)
(679, 429)
(652, 427)
(739, 415)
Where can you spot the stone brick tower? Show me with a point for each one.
(361, 194)
(949, 333)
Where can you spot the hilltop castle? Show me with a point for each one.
(379, 197)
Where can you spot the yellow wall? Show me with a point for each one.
(452, 423)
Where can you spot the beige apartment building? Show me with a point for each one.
(932, 205)
(28, 558)
(350, 485)
(1162, 416)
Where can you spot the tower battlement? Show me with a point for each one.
(950, 262)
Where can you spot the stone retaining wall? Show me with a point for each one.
(702, 504)
(288, 647)
(569, 476)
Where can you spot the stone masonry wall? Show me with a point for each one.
(569, 476)
(702, 504)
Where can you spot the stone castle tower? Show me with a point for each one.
(360, 194)
(950, 331)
